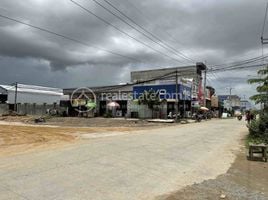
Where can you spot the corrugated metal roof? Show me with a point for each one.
(33, 89)
(105, 89)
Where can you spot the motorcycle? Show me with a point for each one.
(239, 117)
(197, 117)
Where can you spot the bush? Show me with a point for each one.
(258, 129)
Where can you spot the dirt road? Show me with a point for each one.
(19, 134)
(142, 165)
(245, 180)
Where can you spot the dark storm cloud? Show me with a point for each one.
(206, 30)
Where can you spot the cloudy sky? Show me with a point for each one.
(209, 31)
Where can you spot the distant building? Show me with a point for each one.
(245, 105)
(122, 94)
(162, 81)
(193, 73)
(30, 94)
(214, 101)
(230, 102)
(210, 91)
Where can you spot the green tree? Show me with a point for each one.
(262, 89)
(258, 128)
(150, 98)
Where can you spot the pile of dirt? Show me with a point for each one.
(21, 133)
(84, 122)
(245, 180)
(17, 138)
(17, 118)
(101, 122)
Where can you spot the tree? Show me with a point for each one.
(150, 98)
(262, 89)
(258, 128)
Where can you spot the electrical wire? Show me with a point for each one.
(120, 30)
(66, 37)
(245, 61)
(153, 38)
(146, 18)
(165, 76)
(236, 68)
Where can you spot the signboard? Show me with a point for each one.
(165, 91)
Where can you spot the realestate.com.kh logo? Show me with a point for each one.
(83, 100)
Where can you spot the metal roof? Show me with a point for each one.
(105, 89)
(33, 89)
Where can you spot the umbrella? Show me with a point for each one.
(113, 105)
(204, 108)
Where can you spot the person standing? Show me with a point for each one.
(248, 117)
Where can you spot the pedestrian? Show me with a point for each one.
(252, 116)
(248, 117)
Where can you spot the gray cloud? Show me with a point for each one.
(206, 30)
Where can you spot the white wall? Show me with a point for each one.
(27, 97)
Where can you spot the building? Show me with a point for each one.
(126, 94)
(230, 102)
(210, 91)
(159, 80)
(164, 81)
(30, 94)
(121, 94)
(167, 94)
(29, 99)
(245, 105)
(214, 102)
(168, 75)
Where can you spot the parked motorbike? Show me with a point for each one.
(197, 117)
(239, 117)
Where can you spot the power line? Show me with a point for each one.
(240, 65)
(125, 33)
(236, 68)
(254, 59)
(164, 76)
(66, 37)
(144, 29)
(146, 18)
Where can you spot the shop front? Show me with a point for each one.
(167, 95)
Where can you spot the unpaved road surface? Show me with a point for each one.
(245, 180)
(18, 137)
(142, 165)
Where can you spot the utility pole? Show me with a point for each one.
(205, 85)
(184, 91)
(176, 101)
(16, 94)
(230, 94)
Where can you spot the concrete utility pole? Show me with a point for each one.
(205, 85)
(230, 94)
(16, 94)
(176, 103)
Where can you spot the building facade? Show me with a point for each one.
(245, 105)
(230, 102)
(162, 81)
(191, 73)
(30, 94)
